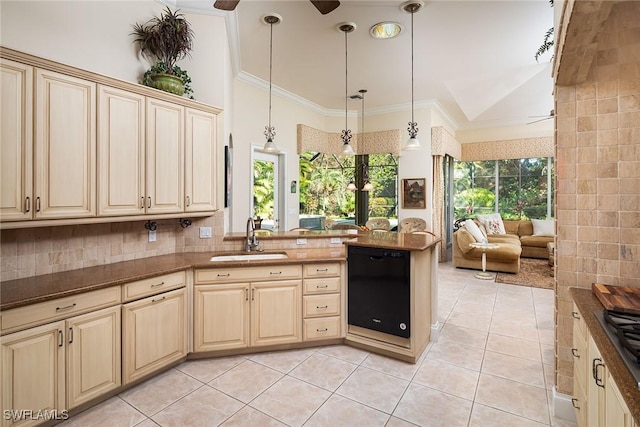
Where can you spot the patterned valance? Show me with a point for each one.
(508, 149)
(442, 142)
(310, 139)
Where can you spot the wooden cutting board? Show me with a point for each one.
(618, 298)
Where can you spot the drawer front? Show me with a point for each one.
(61, 308)
(152, 286)
(321, 305)
(321, 286)
(321, 328)
(581, 326)
(248, 274)
(322, 270)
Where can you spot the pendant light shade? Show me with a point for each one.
(412, 7)
(270, 131)
(351, 186)
(347, 150)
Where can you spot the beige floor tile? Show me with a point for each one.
(548, 354)
(483, 416)
(470, 297)
(457, 354)
(514, 347)
(448, 378)
(480, 322)
(112, 412)
(516, 398)
(462, 335)
(344, 352)
(339, 411)
(427, 407)
(466, 307)
(249, 417)
(283, 361)
(527, 331)
(374, 389)
(207, 369)
(291, 401)
(160, 391)
(147, 423)
(246, 381)
(549, 376)
(398, 422)
(205, 406)
(514, 368)
(394, 367)
(324, 371)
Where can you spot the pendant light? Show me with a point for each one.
(270, 131)
(347, 150)
(365, 172)
(412, 144)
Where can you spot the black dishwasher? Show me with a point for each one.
(378, 290)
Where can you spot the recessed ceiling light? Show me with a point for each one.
(385, 30)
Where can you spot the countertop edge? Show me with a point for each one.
(588, 304)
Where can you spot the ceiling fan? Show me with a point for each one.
(323, 6)
(547, 117)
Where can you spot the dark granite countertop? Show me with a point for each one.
(20, 292)
(391, 240)
(588, 304)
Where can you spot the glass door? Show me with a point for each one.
(265, 189)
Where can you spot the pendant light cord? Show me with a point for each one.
(271, 67)
(412, 118)
(346, 80)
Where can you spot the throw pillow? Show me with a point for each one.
(543, 227)
(464, 240)
(472, 228)
(492, 223)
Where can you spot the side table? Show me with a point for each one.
(484, 246)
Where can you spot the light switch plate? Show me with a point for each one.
(152, 235)
(205, 232)
(335, 240)
(301, 241)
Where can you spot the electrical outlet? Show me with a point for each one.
(152, 235)
(335, 241)
(205, 232)
(301, 241)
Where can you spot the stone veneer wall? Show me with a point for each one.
(598, 176)
(34, 251)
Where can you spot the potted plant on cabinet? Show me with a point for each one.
(165, 40)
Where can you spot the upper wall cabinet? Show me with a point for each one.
(78, 147)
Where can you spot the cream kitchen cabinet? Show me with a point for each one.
(242, 307)
(59, 365)
(200, 160)
(51, 173)
(153, 333)
(322, 302)
(16, 141)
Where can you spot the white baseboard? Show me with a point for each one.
(435, 332)
(562, 406)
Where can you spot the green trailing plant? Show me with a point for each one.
(161, 68)
(547, 43)
(164, 40)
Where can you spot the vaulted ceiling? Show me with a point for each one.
(474, 59)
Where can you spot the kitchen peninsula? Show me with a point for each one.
(197, 308)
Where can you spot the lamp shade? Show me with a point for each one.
(270, 147)
(412, 144)
(367, 187)
(352, 186)
(347, 150)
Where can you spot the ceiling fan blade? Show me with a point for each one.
(540, 120)
(228, 5)
(325, 6)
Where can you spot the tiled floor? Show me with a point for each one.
(492, 366)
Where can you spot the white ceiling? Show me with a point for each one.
(474, 58)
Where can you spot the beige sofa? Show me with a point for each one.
(518, 242)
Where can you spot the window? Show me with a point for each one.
(516, 188)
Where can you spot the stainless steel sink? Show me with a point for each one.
(248, 257)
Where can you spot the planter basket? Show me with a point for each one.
(168, 83)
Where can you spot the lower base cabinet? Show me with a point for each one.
(153, 333)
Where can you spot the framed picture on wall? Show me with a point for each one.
(413, 193)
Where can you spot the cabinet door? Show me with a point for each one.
(595, 387)
(617, 413)
(165, 157)
(276, 313)
(16, 141)
(221, 317)
(200, 161)
(121, 152)
(65, 146)
(33, 370)
(93, 355)
(153, 333)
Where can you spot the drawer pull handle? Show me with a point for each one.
(574, 351)
(38, 204)
(158, 299)
(149, 203)
(141, 202)
(322, 286)
(574, 403)
(246, 294)
(157, 285)
(188, 201)
(321, 307)
(28, 204)
(275, 273)
(60, 338)
(66, 307)
(575, 315)
(224, 275)
(321, 270)
(322, 330)
(70, 335)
